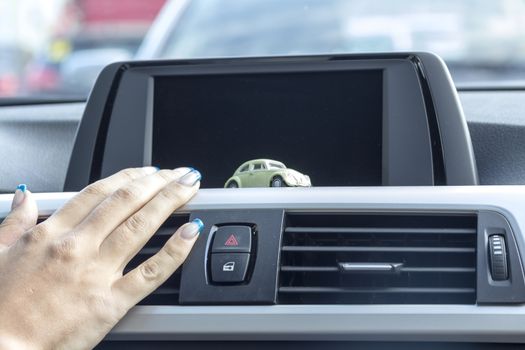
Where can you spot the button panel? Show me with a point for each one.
(260, 282)
(230, 253)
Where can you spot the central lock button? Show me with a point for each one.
(231, 268)
(230, 253)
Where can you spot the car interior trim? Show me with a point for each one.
(492, 323)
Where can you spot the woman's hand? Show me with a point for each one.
(61, 282)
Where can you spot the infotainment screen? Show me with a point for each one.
(272, 129)
(326, 120)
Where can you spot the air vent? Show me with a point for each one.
(168, 293)
(378, 259)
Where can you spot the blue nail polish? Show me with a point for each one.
(199, 175)
(22, 187)
(157, 168)
(199, 223)
(191, 178)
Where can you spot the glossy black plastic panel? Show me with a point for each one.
(260, 284)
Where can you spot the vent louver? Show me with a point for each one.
(168, 293)
(378, 259)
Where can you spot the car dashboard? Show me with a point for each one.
(422, 249)
(475, 313)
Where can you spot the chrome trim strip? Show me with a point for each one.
(464, 198)
(463, 323)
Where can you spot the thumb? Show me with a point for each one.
(23, 216)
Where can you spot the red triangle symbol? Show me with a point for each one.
(231, 241)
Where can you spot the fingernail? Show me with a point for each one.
(19, 195)
(190, 178)
(150, 169)
(183, 170)
(157, 168)
(192, 229)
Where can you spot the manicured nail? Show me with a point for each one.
(150, 169)
(183, 170)
(190, 178)
(19, 195)
(192, 229)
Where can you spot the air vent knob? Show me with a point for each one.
(498, 258)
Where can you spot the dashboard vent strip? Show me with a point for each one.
(357, 258)
(168, 293)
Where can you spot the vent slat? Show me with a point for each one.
(377, 249)
(148, 251)
(401, 270)
(376, 290)
(380, 230)
(167, 291)
(432, 258)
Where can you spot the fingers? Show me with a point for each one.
(149, 275)
(23, 216)
(128, 238)
(121, 206)
(76, 210)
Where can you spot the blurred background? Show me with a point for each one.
(56, 48)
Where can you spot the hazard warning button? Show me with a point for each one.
(232, 239)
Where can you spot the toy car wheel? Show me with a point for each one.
(278, 182)
(233, 184)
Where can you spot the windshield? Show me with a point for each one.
(481, 41)
(58, 47)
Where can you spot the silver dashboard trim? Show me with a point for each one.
(324, 322)
(338, 322)
(505, 198)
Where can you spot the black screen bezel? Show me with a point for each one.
(425, 133)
